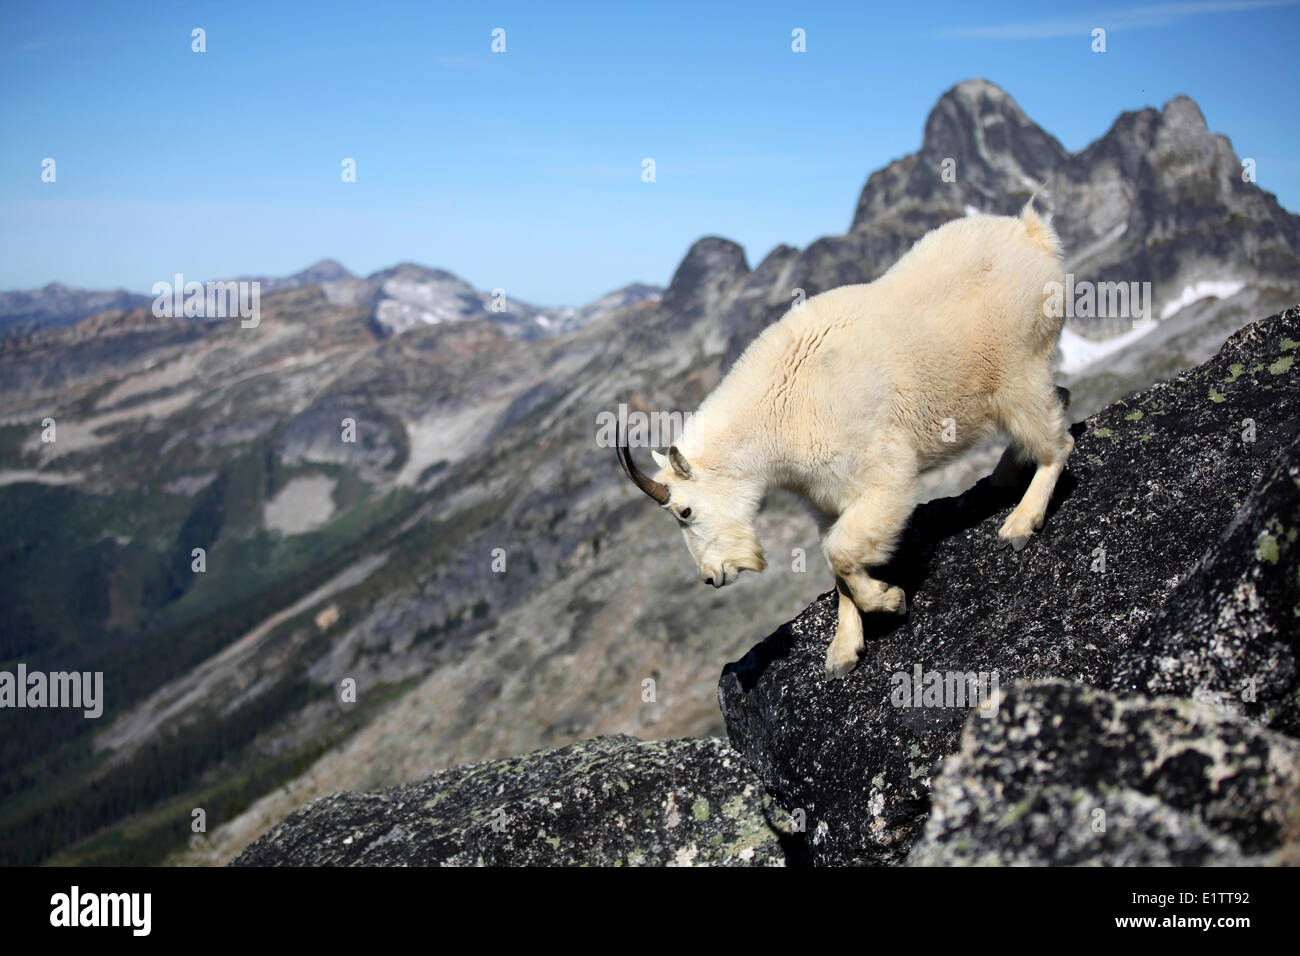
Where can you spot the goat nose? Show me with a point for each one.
(708, 580)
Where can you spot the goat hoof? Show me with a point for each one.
(1014, 542)
(839, 665)
(1015, 533)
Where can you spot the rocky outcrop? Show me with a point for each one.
(611, 801)
(1243, 594)
(1068, 775)
(1167, 566)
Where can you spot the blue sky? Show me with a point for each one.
(522, 170)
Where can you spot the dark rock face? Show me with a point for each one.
(610, 801)
(1245, 592)
(1068, 775)
(1167, 565)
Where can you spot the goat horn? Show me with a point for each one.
(655, 489)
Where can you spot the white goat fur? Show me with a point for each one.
(845, 401)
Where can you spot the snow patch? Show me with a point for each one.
(304, 504)
(1220, 289)
(1077, 353)
(17, 477)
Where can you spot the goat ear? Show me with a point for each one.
(660, 459)
(679, 462)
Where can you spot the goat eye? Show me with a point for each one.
(686, 512)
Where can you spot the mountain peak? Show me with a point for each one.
(326, 270)
(979, 94)
(419, 272)
(972, 101)
(710, 267)
(979, 121)
(1183, 111)
(979, 151)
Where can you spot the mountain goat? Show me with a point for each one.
(847, 399)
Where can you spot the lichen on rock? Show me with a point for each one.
(610, 801)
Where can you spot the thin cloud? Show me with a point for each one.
(1134, 18)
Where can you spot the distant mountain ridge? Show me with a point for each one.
(400, 298)
(326, 270)
(408, 295)
(56, 304)
(1158, 198)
